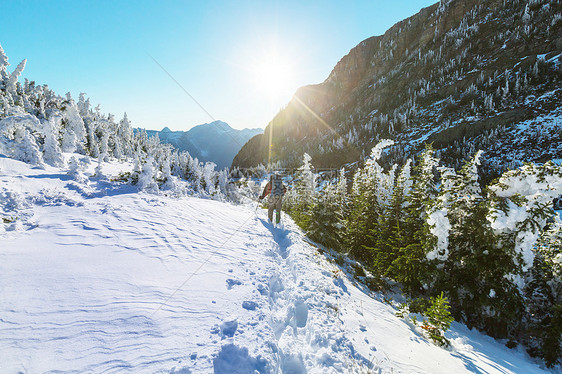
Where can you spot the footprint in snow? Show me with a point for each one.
(249, 305)
(301, 313)
(232, 282)
(234, 359)
(228, 328)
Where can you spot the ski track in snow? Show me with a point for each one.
(90, 282)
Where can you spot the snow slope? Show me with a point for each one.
(97, 277)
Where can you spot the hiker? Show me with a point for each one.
(275, 189)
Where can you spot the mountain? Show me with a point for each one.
(97, 278)
(461, 74)
(215, 141)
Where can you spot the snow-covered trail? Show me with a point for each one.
(97, 277)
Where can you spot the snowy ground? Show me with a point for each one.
(97, 277)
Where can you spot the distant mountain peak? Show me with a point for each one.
(215, 141)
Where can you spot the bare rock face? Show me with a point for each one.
(462, 74)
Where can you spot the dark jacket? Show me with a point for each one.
(268, 187)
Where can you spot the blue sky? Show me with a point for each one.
(212, 48)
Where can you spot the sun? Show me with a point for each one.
(273, 75)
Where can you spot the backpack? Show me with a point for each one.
(277, 186)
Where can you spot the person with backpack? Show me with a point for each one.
(276, 190)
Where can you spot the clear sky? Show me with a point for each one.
(241, 60)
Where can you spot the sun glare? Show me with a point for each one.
(274, 76)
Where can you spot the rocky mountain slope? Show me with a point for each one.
(215, 141)
(461, 74)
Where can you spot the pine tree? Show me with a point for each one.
(521, 203)
(543, 298)
(371, 193)
(411, 267)
(13, 79)
(438, 320)
(74, 170)
(3, 65)
(27, 149)
(52, 154)
(474, 269)
(210, 178)
(391, 237)
(302, 196)
(146, 179)
(74, 135)
(323, 226)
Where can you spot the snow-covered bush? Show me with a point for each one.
(17, 141)
(146, 180)
(75, 170)
(52, 153)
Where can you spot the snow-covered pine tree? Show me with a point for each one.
(3, 68)
(13, 79)
(210, 178)
(125, 135)
(194, 173)
(543, 297)
(470, 266)
(75, 170)
(52, 153)
(302, 193)
(146, 181)
(27, 149)
(367, 205)
(521, 205)
(323, 226)
(391, 237)
(223, 185)
(137, 170)
(17, 140)
(411, 267)
(168, 179)
(74, 134)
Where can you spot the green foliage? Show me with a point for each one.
(437, 317)
(124, 177)
(410, 266)
(438, 320)
(475, 272)
(376, 284)
(359, 271)
(388, 223)
(340, 260)
(544, 298)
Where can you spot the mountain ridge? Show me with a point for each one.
(461, 74)
(215, 141)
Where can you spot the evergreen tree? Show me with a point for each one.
(146, 179)
(75, 170)
(74, 135)
(473, 270)
(391, 239)
(3, 65)
(52, 154)
(302, 196)
(13, 79)
(543, 298)
(27, 149)
(323, 225)
(370, 195)
(210, 178)
(411, 267)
